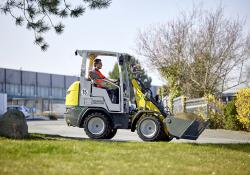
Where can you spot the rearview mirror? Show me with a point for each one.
(121, 60)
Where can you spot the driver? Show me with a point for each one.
(101, 81)
(97, 76)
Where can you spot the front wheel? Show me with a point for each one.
(150, 128)
(112, 134)
(98, 126)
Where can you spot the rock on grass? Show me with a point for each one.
(13, 125)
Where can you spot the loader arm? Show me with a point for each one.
(185, 126)
(143, 97)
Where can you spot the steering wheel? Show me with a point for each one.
(117, 82)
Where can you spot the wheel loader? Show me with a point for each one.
(93, 108)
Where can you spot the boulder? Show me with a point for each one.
(13, 125)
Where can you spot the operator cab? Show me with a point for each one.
(115, 96)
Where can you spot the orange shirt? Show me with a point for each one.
(101, 76)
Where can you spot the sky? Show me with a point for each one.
(112, 29)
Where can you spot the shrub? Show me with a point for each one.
(230, 117)
(216, 121)
(243, 107)
(215, 113)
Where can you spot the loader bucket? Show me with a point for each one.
(185, 126)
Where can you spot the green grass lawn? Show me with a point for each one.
(55, 155)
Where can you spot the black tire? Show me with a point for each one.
(112, 134)
(97, 126)
(166, 137)
(150, 128)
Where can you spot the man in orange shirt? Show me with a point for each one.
(98, 78)
(101, 81)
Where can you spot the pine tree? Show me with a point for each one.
(114, 74)
(39, 15)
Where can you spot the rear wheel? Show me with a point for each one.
(150, 128)
(98, 126)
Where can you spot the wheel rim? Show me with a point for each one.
(148, 128)
(96, 126)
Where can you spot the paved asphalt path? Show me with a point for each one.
(59, 127)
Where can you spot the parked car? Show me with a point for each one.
(23, 109)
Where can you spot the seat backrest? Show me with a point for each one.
(93, 75)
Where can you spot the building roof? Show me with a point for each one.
(235, 89)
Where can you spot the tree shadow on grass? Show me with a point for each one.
(36, 136)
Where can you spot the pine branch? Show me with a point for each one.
(37, 15)
(44, 47)
(63, 13)
(39, 40)
(59, 28)
(19, 21)
(98, 4)
(78, 11)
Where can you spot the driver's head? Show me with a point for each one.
(98, 63)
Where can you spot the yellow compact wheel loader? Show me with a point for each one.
(95, 110)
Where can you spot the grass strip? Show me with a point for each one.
(43, 154)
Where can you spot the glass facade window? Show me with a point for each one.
(43, 91)
(58, 92)
(45, 105)
(13, 89)
(28, 90)
(1, 87)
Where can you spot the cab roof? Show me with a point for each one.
(99, 53)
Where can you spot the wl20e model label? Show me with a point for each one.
(90, 101)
